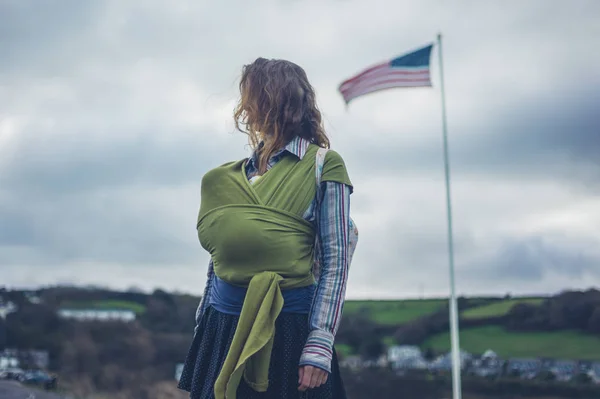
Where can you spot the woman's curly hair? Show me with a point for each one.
(277, 103)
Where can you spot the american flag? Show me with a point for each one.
(409, 70)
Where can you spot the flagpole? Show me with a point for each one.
(454, 336)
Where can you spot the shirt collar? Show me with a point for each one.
(298, 147)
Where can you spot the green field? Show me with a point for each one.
(394, 311)
(498, 308)
(107, 304)
(344, 350)
(389, 341)
(557, 344)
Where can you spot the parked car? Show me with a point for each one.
(40, 378)
(11, 373)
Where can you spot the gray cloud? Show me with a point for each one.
(85, 160)
(532, 258)
(551, 138)
(36, 35)
(111, 113)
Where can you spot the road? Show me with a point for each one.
(14, 390)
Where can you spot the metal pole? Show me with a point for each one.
(455, 344)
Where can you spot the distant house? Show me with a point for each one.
(547, 364)
(444, 362)
(404, 357)
(98, 314)
(488, 365)
(584, 366)
(8, 360)
(595, 372)
(7, 308)
(564, 370)
(526, 368)
(37, 359)
(489, 354)
(400, 352)
(488, 359)
(32, 297)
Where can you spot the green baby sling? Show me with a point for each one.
(257, 238)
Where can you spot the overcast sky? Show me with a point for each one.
(111, 112)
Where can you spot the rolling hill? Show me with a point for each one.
(499, 308)
(563, 326)
(393, 312)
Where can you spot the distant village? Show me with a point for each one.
(406, 358)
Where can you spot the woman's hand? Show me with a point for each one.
(311, 377)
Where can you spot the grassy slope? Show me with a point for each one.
(394, 312)
(559, 344)
(344, 350)
(497, 308)
(389, 312)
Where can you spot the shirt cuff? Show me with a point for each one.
(318, 350)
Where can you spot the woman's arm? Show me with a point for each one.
(204, 300)
(333, 221)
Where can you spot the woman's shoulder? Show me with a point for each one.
(334, 158)
(334, 168)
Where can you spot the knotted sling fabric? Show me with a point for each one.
(258, 239)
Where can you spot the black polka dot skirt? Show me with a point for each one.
(211, 343)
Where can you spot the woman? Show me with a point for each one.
(280, 247)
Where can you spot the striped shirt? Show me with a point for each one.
(333, 220)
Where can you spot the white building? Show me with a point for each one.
(8, 361)
(594, 372)
(444, 362)
(489, 355)
(98, 314)
(401, 352)
(33, 297)
(406, 357)
(7, 308)
(13, 358)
